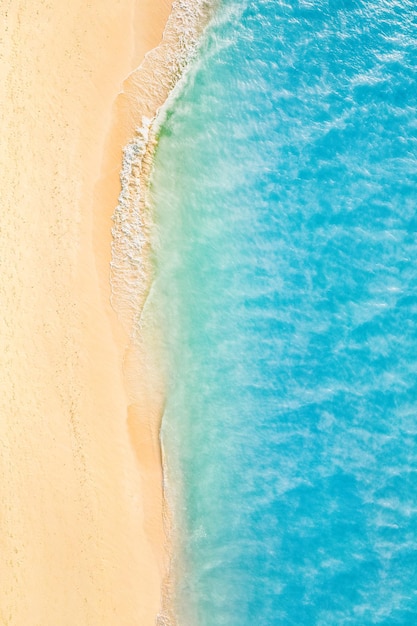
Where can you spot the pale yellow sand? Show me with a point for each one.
(81, 538)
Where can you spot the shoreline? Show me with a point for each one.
(131, 266)
(82, 502)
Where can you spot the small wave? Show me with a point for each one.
(154, 80)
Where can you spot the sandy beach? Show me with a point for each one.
(81, 525)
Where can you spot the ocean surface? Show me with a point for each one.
(285, 198)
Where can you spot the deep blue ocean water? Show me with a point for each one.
(285, 200)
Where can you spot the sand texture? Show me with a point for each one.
(81, 519)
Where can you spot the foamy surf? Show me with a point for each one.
(152, 83)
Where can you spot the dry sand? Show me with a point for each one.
(81, 534)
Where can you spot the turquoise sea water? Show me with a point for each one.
(285, 200)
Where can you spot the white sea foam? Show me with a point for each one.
(127, 267)
(159, 74)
